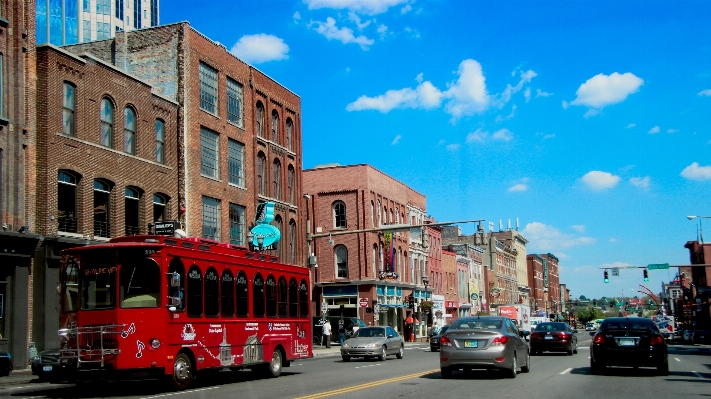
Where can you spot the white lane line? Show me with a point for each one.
(566, 371)
(179, 393)
(677, 359)
(28, 386)
(697, 374)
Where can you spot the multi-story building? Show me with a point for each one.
(700, 293)
(435, 272)
(537, 284)
(553, 286)
(464, 263)
(62, 22)
(514, 239)
(377, 265)
(451, 297)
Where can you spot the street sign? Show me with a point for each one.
(615, 271)
(324, 307)
(363, 302)
(657, 266)
(376, 308)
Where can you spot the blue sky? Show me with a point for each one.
(590, 122)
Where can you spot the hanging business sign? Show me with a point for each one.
(266, 233)
(495, 292)
(474, 296)
(388, 237)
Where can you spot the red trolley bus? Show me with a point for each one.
(153, 306)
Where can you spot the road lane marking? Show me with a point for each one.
(697, 374)
(179, 393)
(366, 385)
(677, 359)
(370, 365)
(566, 371)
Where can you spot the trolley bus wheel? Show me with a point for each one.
(273, 369)
(182, 371)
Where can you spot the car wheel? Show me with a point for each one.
(527, 367)
(400, 353)
(183, 373)
(382, 354)
(433, 349)
(595, 367)
(575, 348)
(346, 358)
(663, 369)
(511, 373)
(273, 369)
(446, 372)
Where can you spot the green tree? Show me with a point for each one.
(583, 298)
(584, 315)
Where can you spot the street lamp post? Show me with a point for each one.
(701, 227)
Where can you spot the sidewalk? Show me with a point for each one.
(18, 377)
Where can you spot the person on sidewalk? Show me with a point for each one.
(341, 331)
(326, 333)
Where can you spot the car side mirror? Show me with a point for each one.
(525, 333)
(390, 336)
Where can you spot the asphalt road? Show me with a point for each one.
(417, 375)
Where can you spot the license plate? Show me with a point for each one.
(627, 342)
(548, 337)
(47, 368)
(471, 343)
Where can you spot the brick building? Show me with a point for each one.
(451, 297)
(435, 272)
(373, 265)
(536, 283)
(554, 302)
(514, 239)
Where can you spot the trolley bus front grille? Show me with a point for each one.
(91, 344)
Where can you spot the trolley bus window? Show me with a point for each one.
(212, 294)
(304, 299)
(293, 298)
(227, 290)
(242, 295)
(176, 266)
(271, 297)
(70, 292)
(282, 297)
(98, 287)
(258, 295)
(140, 283)
(194, 292)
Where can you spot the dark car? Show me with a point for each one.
(553, 337)
(46, 365)
(5, 364)
(434, 340)
(630, 342)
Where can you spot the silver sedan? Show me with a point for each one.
(373, 342)
(484, 342)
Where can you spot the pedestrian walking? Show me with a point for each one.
(326, 333)
(341, 331)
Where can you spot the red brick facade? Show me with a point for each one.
(535, 281)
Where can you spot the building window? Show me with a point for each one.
(237, 224)
(107, 123)
(119, 9)
(209, 151)
(86, 5)
(303, 299)
(227, 293)
(289, 133)
(212, 298)
(258, 295)
(160, 141)
(210, 218)
(68, 105)
(154, 13)
(137, 14)
(194, 299)
(242, 295)
(235, 155)
(291, 184)
(339, 215)
(129, 131)
(102, 209)
(292, 242)
(159, 203)
(275, 126)
(208, 88)
(277, 180)
(282, 299)
(103, 30)
(86, 24)
(2, 98)
(103, 7)
(71, 22)
(234, 102)
(341, 258)
(132, 210)
(293, 298)
(271, 296)
(261, 171)
(259, 119)
(67, 202)
(372, 214)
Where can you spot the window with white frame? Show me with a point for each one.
(129, 130)
(210, 218)
(234, 102)
(160, 141)
(107, 123)
(341, 260)
(102, 208)
(68, 106)
(289, 133)
(237, 224)
(292, 241)
(261, 172)
(208, 88)
(159, 205)
(209, 153)
(290, 181)
(372, 214)
(132, 211)
(259, 120)
(276, 183)
(275, 126)
(103, 7)
(235, 155)
(67, 202)
(339, 214)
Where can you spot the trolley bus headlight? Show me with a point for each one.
(155, 343)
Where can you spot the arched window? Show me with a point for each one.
(102, 209)
(212, 293)
(194, 302)
(289, 133)
(176, 266)
(107, 123)
(293, 298)
(290, 182)
(292, 242)
(380, 220)
(283, 300)
(339, 214)
(375, 257)
(341, 260)
(129, 131)
(68, 107)
(261, 172)
(276, 184)
(227, 291)
(372, 214)
(160, 141)
(258, 295)
(132, 211)
(260, 119)
(303, 299)
(278, 246)
(275, 126)
(242, 295)
(67, 201)
(271, 296)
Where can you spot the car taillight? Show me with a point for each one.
(563, 335)
(656, 340)
(599, 339)
(499, 341)
(444, 341)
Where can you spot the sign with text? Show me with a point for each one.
(363, 302)
(657, 266)
(166, 228)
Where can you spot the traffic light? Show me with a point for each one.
(612, 304)
(411, 301)
(607, 277)
(646, 275)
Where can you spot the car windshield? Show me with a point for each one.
(552, 327)
(371, 332)
(443, 330)
(480, 323)
(629, 325)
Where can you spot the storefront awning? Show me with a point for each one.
(16, 249)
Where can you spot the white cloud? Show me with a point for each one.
(353, 17)
(696, 172)
(549, 136)
(468, 94)
(441, 142)
(412, 32)
(344, 35)
(502, 135)
(370, 7)
(382, 31)
(591, 112)
(406, 9)
(501, 118)
(543, 237)
(672, 131)
(518, 187)
(477, 136)
(453, 147)
(297, 16)
(527, 94)
(425, 95)
(654, 130)
(631, 125)
(603, 90)
(579, 228)
(420, 77)
(706, 93)
(511, 90)
(396, 140)
(598, 181)
(541, 93)
(613, 239)
(255, 49)
(641, 182)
